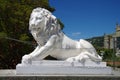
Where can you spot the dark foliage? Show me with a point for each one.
(15, 39)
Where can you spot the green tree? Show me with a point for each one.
(14, 18)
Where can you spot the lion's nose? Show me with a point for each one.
(32, 23)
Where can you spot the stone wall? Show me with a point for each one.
(60, 78)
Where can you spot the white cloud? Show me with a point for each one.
(76, 34)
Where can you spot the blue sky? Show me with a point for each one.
(87, 18)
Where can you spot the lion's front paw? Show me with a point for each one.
(26, 59)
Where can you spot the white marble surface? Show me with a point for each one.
(62, 68)
(12, 72)
(88, 63)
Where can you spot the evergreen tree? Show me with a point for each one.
(14, 20)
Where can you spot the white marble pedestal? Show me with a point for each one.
(63, 68)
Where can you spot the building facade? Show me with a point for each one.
(112, 40)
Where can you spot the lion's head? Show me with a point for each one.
(43, 25)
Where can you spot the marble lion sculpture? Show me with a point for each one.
(46, 30)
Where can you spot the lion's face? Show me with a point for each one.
(36, 25)
(36, 21)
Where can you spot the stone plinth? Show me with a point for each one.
(11, 75)
(62, 68)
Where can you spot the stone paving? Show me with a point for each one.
(11, 75)
(12, 72)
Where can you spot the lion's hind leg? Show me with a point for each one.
(71, 59)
